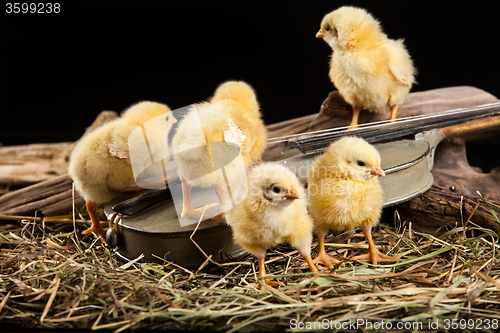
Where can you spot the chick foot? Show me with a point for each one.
(323, 257)
(262, 272)
(197, 213)
(374, 256)
(373, 253)
(187, 204)
(327, 260)
(263, 284)
(96, 227)
(268, 282)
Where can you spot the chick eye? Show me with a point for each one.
(327, 28)
(361, 163)
(275, 189)
(166, 118)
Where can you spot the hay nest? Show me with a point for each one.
(52, 277)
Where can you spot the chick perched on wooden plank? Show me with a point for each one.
(370, 70)
(100, 163)
(273, 212)
(344, 193)
(231, 116)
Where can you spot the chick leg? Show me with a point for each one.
(356, 110)
(394, 113)
(96, 227)
(187, 204)
(262, 272)
(221, 194)
(312, 266)
(373, 253)
(323, 257)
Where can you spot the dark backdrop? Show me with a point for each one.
(58, 71)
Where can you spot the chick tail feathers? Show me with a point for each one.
(400, 64)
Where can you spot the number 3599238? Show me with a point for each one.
(32, 7)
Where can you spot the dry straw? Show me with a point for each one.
(50, 278)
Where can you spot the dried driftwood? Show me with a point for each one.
(439, 207)
(48, 198)
(24, 165)
(53, 196)
(30, 164)
(452, 172)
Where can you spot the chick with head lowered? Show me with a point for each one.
(231, 115)
(273, 212)
(344, 193)
(369, 70)
(100, 163)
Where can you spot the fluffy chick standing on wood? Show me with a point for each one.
(232, 115)
(370, 70)
(100, 163)
(344, 193)
(273, 212)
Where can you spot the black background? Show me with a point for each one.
(58, 71)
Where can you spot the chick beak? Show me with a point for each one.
(174, 120)
(320, 34)
(291, 195)
(377, 171)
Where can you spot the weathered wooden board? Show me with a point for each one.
(439, 207)
(48, 198)
(24, 165)
(452, 172)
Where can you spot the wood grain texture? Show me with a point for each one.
(24, 165)
(452, 172)
(48, 198)
(439, 208)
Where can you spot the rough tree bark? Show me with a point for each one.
(44, 168)
(25, 165)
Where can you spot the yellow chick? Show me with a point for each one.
(344, 193)
(273, 212)
(100, 163)
(369, 70)
(231, 116)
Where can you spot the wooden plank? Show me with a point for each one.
(24, 165)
